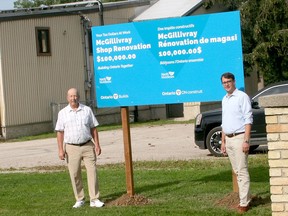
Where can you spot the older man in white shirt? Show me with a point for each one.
(78, 140)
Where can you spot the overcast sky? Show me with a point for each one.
(6, 4)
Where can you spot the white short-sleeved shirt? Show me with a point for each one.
(76, 124)
(236, 112)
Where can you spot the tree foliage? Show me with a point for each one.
(38, 3)
(264, 25)
(265, 35)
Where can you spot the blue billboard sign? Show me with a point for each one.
(166, 61)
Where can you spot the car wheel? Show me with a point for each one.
(213, 141)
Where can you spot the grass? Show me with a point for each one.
(102, 128)
(173, 188)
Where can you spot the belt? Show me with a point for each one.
(80, 144)
(234, 134)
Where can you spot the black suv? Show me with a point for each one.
(207, 131)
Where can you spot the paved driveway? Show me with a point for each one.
(167, 142)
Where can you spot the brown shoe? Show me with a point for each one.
(242, 209)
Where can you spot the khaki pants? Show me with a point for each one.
(239, 162)
(75, 154)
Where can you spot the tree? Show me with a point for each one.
(265, 33)
(38, 3)
(264, 25)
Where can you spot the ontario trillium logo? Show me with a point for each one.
(105, 80)
(115, 96)
(168, 75)
(178, 92)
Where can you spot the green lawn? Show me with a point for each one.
(173, 188)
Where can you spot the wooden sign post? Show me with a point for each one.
(235, 183)
(127, 150)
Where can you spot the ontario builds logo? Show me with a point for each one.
(114, 96)
(168, 75)
(105, 80)
(179, 92)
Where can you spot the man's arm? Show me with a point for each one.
(60, 140)
(223, 143)
(94, 133)
(248, 117)
(246, 141)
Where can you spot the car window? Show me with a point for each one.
(270, 91)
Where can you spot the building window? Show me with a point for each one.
(43, 41)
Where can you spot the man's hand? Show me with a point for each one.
(61, 155)
(245, 147)
(223, 148)
(97, 150)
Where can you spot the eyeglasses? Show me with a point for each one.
(227, 82)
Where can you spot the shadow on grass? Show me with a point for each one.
(257, 174)
(231, 200)
(258, 200)
(146, 188)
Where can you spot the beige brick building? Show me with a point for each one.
(276, 112)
